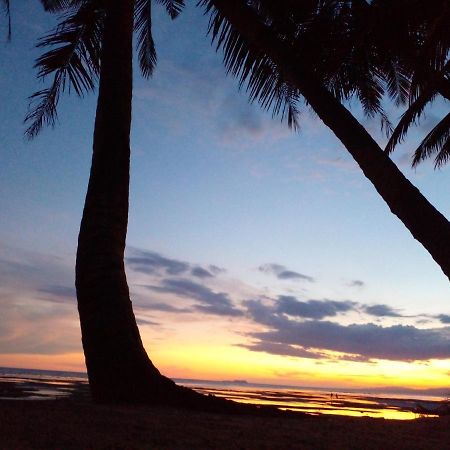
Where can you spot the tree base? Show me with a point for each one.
(161, 391)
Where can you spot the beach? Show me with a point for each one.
(78, 424)
(72, 421)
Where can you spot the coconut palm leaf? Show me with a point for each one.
(173, 7)
(58, 5)
(438, 83)
(437, 142)
(410, 117)
(253, 69)
(74, 58)
(74, 62)
(143, 27)
(145, 43)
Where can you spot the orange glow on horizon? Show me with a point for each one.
(70, 362)
(228, 362)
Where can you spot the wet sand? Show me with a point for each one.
(73, 422)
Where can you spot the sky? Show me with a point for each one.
(253, 252)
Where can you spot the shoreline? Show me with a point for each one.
(72, 421)
(75, 423)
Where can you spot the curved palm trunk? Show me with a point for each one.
(425, 223)
(118, 366)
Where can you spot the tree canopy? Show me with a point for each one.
(357, 49)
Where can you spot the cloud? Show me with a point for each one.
(275, 348)
(381, 311)
(444, 318)
(312, 309)
(357, 283)
(146, 322)
(210, 302)
(282, 273)
(33, 326)
(151, 262)
(59, 293)
(164, 307)
(361, 341)
(199, 272)
(35, 317)
(239, 118)
(215, 269)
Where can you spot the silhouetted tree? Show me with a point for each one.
(323, 52)
(93, 42)
(257, 38)
(425, 52)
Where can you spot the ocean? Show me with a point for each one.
(47, 384)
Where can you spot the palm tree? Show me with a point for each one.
(86, 47)
(309, 49)
(430, 69)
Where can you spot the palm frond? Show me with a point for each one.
(146, 46)
(398, 82)
(7, 9)
(410, 117)
(262, 79)
(58, 5)
(74, 62)
(173, 7)
(436, 142)
(143, 26)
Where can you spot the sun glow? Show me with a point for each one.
(228, 362)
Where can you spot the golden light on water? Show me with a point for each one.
(316, 402)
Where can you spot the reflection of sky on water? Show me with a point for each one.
(32, 386)
(18, 388)
(322, 403)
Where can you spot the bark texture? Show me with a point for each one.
(423, 220)
(118, 366)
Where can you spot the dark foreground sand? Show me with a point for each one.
(77, 424)
(73, 422)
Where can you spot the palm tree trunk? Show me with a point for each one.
(118, 366)
(425, 223)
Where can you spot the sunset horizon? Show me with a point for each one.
(266, 227)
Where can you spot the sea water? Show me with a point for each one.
(47, 384)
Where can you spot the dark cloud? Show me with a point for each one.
(356, 283)
(151, 262)
(380, 311)
(282, 273)
(361, 341)
(210, 302)
(146, 322)
(215, 269)
(444, 318)
(239, 118)
(164, 307)
(312, 309)
(199, 272)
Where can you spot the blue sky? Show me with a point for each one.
(220, 186)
